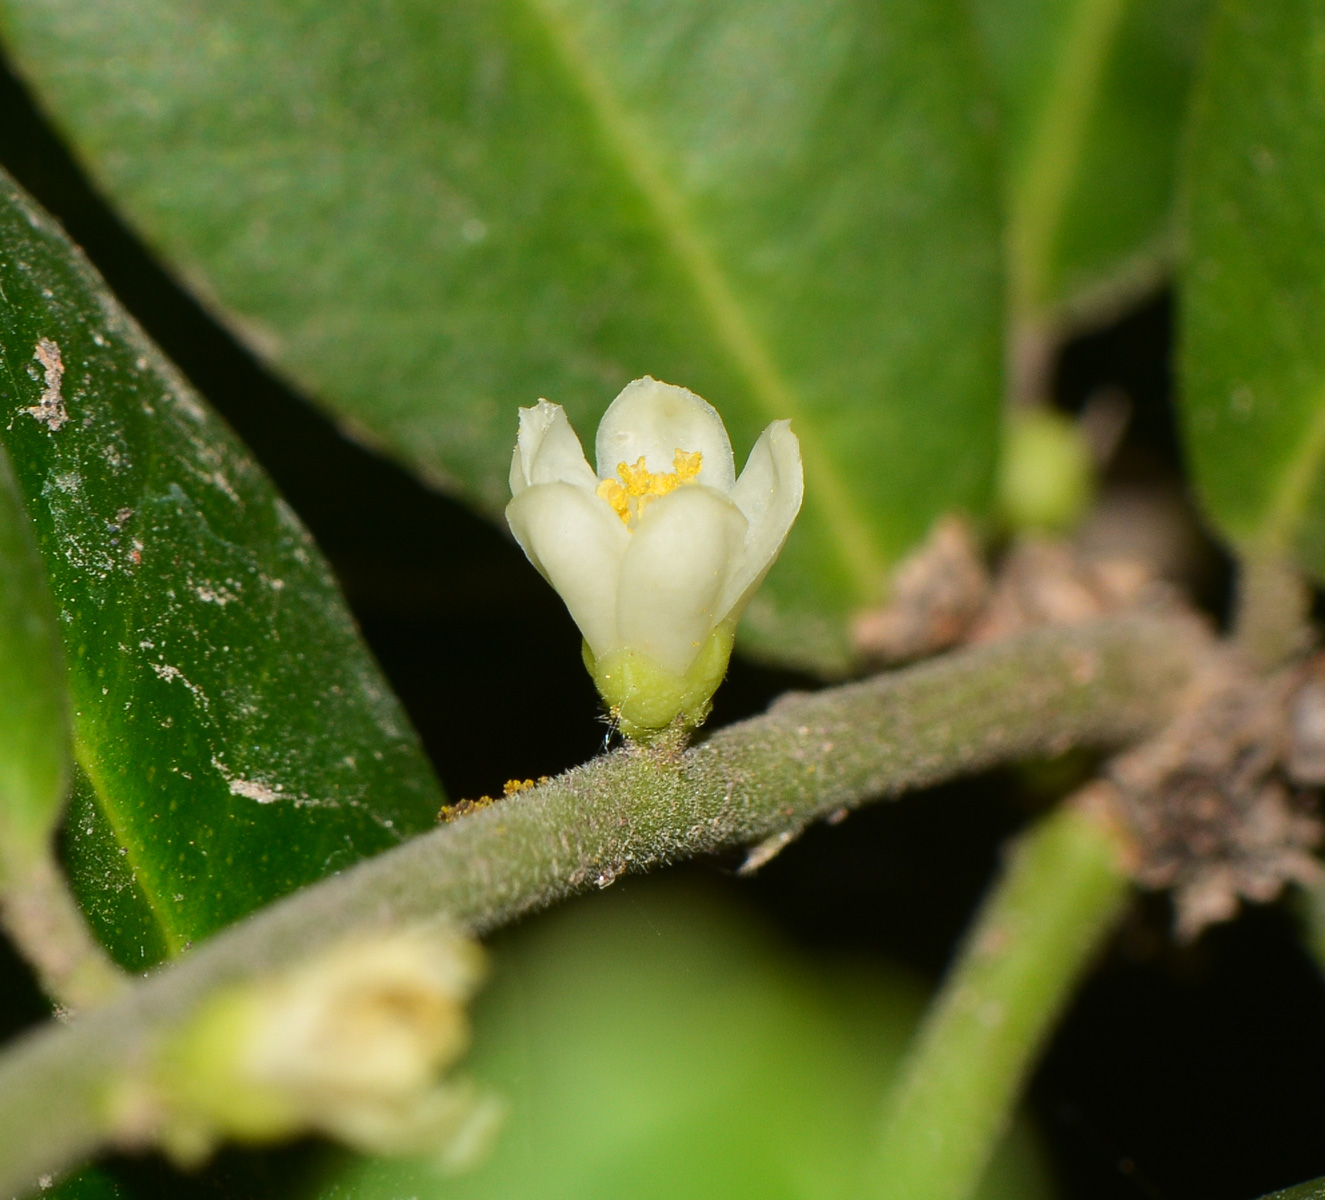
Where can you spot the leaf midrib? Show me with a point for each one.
(1056, 146)
(852, 535)
(176, 941)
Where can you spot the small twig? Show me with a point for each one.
(1102, 683)
(1061, 892)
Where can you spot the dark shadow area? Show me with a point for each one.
(1178, 1075)
(1191, 1074)
(1145, 477)
(1133, 354)
(21, 1001)
(898, 879)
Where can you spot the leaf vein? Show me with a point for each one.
(768, 386)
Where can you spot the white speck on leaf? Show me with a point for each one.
(254, 790)
(170, 674)
(218, 596)
(189, 406)
(224, 484)
(265, 793)
(49, 410)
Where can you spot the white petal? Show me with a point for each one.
(577, 542)
(548, 451)
(676, 569)
(769, 493)
(656, 420)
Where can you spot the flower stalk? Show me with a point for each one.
(1064, 886)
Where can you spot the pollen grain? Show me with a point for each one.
(637, 486)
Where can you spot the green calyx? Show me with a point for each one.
(645, 698)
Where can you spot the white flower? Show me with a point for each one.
(656, 555)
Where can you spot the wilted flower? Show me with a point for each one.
(350, 1043)
(656, 555)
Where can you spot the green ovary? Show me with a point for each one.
(645, 697)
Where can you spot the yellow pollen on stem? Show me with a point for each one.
(637, 485)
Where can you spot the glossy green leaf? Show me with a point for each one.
(1253, 283)
(91, 1183)
(1314, 1190)
(652, 1044)
(234, 737)
(428, 213)
(1093, 93)
(34, 717)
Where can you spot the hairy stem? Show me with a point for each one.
(1102, 683)
(1063, 887)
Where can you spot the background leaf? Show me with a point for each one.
(235, 739)
(427, 214)
(34, 716)
(1253, 285)
(1093, 93)
(651, 1043)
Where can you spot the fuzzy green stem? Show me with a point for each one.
(1062, 890)
(1102, 683)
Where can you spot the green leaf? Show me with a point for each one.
(91, 1183)
(429, 213)
(1093, 93)
(34, 716)
(1253, 306)
(234, 738)
(1314, 1190)
(651, 1043)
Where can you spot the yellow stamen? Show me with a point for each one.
(638, 486)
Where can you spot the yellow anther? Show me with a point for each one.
(617, 496)
(685, 466)
(638, 485)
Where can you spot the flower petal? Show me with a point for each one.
(680, 558)
(769, 493)
(548, 450)
(577, 542)
(656, 420)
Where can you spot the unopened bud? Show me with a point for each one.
(1046, 479)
